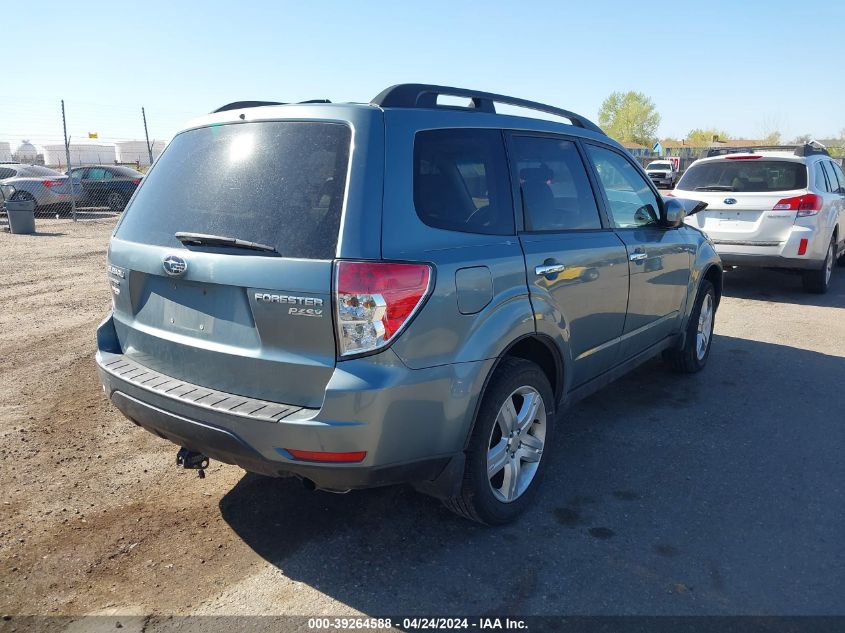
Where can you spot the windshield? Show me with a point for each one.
(659, 166)
(279, 183)
(751, 175)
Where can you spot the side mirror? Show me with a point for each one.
(679, 208)
(675, 213)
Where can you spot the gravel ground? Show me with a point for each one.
(720, 493)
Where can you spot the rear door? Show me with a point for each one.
(242, 321)
(741, 193)
(658, 257)
(574, 261)
(96, 183)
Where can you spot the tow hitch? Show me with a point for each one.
(192, 460)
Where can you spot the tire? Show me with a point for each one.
(489, 499)
(116, 201)
(692, 357)
(818, 281)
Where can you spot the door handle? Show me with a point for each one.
(549, 269)
(637, 257)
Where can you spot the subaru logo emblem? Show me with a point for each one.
(730, 200)
(174, 265)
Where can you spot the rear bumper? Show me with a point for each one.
(768, 261)
(412, 423)
(777, 254)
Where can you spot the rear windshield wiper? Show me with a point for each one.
(201, 239)
(715, 188)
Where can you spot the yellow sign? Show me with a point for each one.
(92, 135)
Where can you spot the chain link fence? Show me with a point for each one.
(79, 159)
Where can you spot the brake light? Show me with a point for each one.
(743, 157)
(321, 456)
(808, 204)
(53, 183)
(136, 181)
(375, 300)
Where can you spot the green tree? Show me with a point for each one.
(629, 117)
(772, 138)
(707, 135)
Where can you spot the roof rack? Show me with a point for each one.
(425, 96)
(240, 105)
(805, 149)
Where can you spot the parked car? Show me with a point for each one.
(662, 173)
(401, 313)
(50, 189)
(110, 185)
(776, 209)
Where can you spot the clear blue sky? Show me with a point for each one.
(744, 66)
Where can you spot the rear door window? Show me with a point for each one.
(553, 183)
(7, 172)
(279, 183)
(822, 182)
(749, 175)
(461, 181)
(98, 173)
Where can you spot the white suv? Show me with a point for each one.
(772, 208)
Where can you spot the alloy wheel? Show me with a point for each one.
(516, 444)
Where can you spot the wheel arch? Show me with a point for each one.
(537, 348)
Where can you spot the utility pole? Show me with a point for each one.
(67, 155)
(147, 134)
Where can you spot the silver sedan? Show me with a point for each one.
(47, 187)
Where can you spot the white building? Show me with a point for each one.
(136, 151)
(80, 154)
(5, 152)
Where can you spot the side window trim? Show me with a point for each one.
(836, 180)
(516, 191)
(638, 168)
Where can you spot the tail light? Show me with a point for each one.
(808, 204)
(375, 300)
(53, 183)
(136, 181)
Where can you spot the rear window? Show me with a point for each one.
(126, 172)
(461, 181)
(279, 183)
(7, 172)
(752, 175)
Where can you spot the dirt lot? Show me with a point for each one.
(719, 493)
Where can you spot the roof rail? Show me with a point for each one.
(425, 96)
(805, 149)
